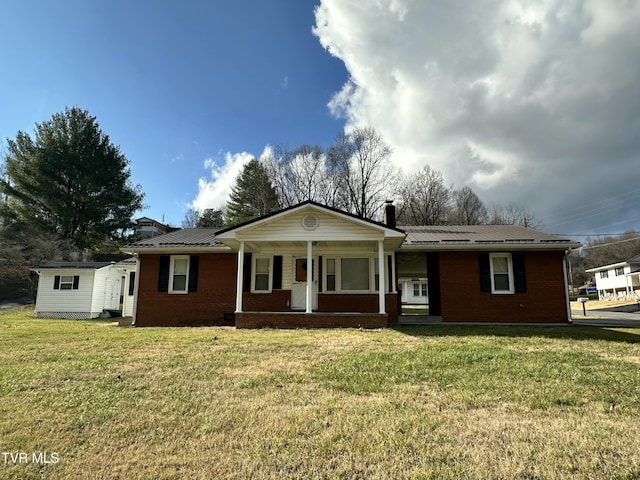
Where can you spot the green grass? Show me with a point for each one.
(439, 402)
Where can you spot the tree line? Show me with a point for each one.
(354, 174)
(68, 189)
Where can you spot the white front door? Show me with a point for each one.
(299, 285)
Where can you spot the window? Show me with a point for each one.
(262, 275)
(619, 271)
(66, 282)
(501, 273)
(179, 274)
(132, 283)
(354, 274)
(419, 289)
(331, 275)
(604, 274)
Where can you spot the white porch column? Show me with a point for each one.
(239, 277)
(309, 302)
(381, 277)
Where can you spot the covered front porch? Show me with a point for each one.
(314, 267)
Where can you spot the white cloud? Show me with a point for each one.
(534, 102)
(214, 192)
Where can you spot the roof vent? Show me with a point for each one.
(310, 222)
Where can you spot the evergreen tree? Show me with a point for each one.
(252, 196)
(211, 218)
(69, 180)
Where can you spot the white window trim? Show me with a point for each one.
(69, 283)
(171, 272)
(373, 266)
(254, 261)
(422, 292)
(512, 289)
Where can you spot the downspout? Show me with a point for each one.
(566, 285)
(136, 285)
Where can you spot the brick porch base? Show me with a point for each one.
(310, 320)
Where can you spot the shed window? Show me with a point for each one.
(66, 282)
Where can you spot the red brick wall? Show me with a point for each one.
(216, 293)
(216, 296)
(462, 300)
(312, 320)
(357, 302)
(276, 301)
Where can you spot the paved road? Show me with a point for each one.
(17, 302)
(606, 319)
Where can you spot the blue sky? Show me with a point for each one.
(533, 103)
(173, 83)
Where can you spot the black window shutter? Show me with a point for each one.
(56, 282)
(76, 281)
(277, 272)
(520, 279)
(246, 273)
(320, 274)
(132, 282)
(390, 273)
(194, 262)
(163, 274)
(485, 272)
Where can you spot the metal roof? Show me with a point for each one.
(480, 236)
(76, 265)
(188, 238)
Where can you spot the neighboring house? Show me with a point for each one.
(315, 266)
(413, 291)
(148, 228)
(618, 280)
(77, 290)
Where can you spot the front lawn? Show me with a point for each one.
(86, 399)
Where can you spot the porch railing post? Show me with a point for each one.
(239, 277)
(381, 278)
(309, 305)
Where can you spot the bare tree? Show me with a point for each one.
(512, 214)
(364, 174)
(425, 200)
(191, 218)
(468, 209)
(299, 174)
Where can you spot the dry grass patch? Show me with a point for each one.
(416, 402)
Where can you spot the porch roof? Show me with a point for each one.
(311, 222)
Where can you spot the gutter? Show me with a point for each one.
(489, 247)
(173, 250)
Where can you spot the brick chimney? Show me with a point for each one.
(389, 214)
